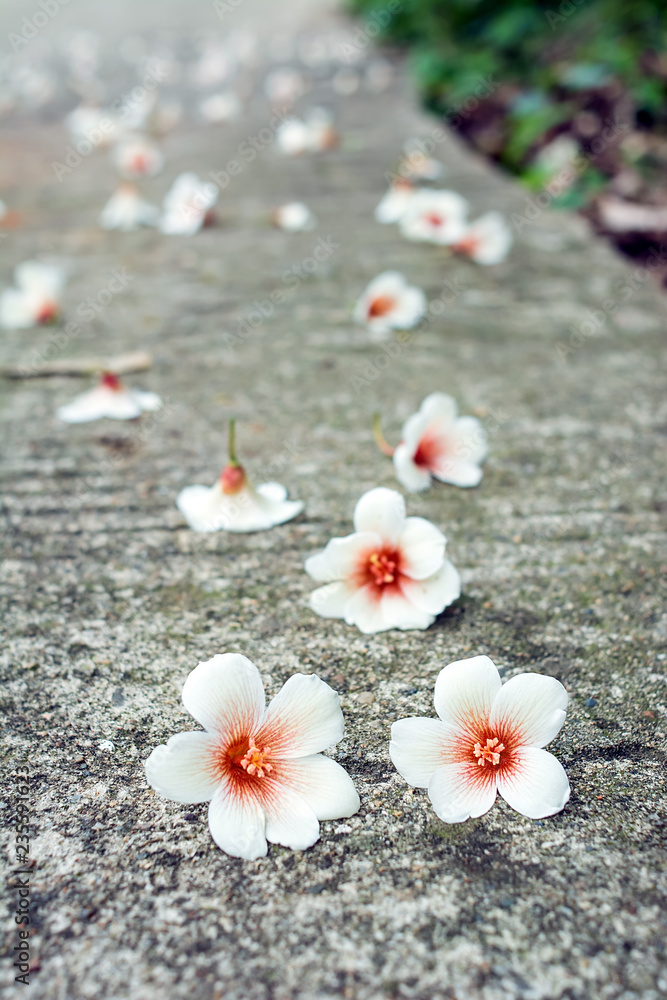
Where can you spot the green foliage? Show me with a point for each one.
(539, 61)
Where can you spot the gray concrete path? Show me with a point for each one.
(109, 601)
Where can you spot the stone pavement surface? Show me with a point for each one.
(109, 600)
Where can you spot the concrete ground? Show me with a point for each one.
(109, 600)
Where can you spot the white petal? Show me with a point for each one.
(44, 278)
(290, 821)
(183, 769)
(148, 401)
(538, 786)
(416, 748)
(341, 556)
(331, 600)
(238, 824)
(409, 475)
(457, 473)
(364, 610)
(326, 786)
(382, 511)
(225, 694)
(470, 440)
(435, 593)
(399, 612)
(465, 691)
(116, 404)
(440, 408)
(532, 705)
(410, 308)
(457, 793)
(303, 718)
(199, 506)
(422, 548)
(16, 310)
(272, 491)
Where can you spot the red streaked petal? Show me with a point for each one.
(461, 791)
(536, 784)
(225, 695)
(304, 718)
(465, 691)
(532, 706)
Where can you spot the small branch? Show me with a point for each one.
(380, 439)
(122, 364)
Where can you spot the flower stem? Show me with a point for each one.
(380, 439)
(232, 442)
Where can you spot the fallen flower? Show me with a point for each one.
(36, 298)
(294, 217)
(261, 768)
(487, 240)
(488, 739)
(435, 217)
(233, 504)
(127, 210)
(391, 573)
(187, 205)
(418, 165)
(109, 398)
(136, 157)
(222, 107)
(312, 135)
(396, 201)
(437, 443)
(389, 303)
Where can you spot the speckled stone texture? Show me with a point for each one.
(109, 600)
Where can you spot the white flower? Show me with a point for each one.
(488, 739)
(109, 398)
(395, 202)
(222, 107)
(389, 303)
(294, 217)
(187, 205)
(391, 573)
(136, 156)
(283, 86)
(261, 768)
(98, 126)
(233, 504)
(437, 442)
(487, 240)
(435, 217)
(36, 298)
(127, 210)
(312, 135)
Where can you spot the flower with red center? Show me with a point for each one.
(487, 240)
(390, 303)
(488, 739)
(188, 205)
(391, 573)
(435, 217)
(233, 503)
(136, 156)
(262, 769)
(109, 398)
(36, 298)
(438, 443)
